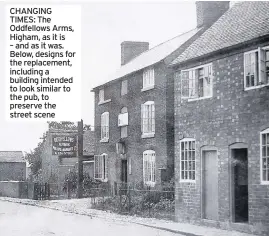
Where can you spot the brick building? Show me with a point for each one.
(222, 122)
(12, 166)
(54, 168)
(134, 110)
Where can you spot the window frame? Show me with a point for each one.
(106, 137)
(195, 85)
(104, 167)
(150, 77)
(259, 73)
(151, 155)
(263, 182)
(195, 157)
(152, 118)
(124, 88)
(124, 129)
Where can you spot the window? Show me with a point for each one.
(149, 168)
(265, 156)
(196, 83)
(148, 78)
(256, 68)
(105, 127)
(187, 160)
(123, 128)
(101, 95)
(124, 87)
(100, 167)
(148, 118)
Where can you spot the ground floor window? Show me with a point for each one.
(187, 160)
(149, 168)
(265, 156)
(100, 167)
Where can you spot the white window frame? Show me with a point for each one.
(265, 182)
(193, 94)
(149, 164)
(148, 119)
(105, 127)
(124, 87)
(148, 79)
(102, 97)
(103, 165)
(188, 179)
(259, 74)
(124, 128)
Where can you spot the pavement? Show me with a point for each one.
(69, 217)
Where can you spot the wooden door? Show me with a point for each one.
(210, 185)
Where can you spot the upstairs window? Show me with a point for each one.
(100, 167)
(101, 95)
(196, 82)
(124, 87)
(256, 68)
(187, 160)
(149, 168)
(148, 78)
(265, 156)
(105, 127)
(123, 122)
(148, 118)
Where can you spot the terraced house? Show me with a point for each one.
(222, 122)
(134, 111)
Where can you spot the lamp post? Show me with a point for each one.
(80, 157)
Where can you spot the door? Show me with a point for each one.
(240, 185)
(210, 185)
(124, 171)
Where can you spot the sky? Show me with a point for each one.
(104, 27)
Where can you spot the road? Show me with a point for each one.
(24, 220)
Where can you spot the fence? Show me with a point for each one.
(128, 199)
(120, 198)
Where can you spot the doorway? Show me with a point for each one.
(124, 171)
(240, 185)
(210, 185)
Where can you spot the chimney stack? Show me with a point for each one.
(130, 50)
(209, 11)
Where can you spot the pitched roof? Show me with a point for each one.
(11, 156)
(242, 22)
(88, 143)
(153, 55)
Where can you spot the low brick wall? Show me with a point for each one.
(15, 189)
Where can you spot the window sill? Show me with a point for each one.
(103, 102)
(103, 180)
(147, 88)
(197, 99)
(187, 181)
(264, 182)
(104, 140)
(149, 135)
(256, 87)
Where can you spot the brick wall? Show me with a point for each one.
(12, 171)
(232, 115)
(135, 145)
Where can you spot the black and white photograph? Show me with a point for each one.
(128, 118)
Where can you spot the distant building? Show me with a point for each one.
(54, 167)
(12, 166)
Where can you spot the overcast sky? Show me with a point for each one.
(104, 27)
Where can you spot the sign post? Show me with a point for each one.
(80, 157)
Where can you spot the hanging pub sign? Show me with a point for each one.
(64, 146)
